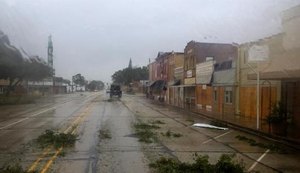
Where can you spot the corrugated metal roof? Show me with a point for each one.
(225, 77)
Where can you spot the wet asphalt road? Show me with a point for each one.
(91, 112)
(121, 151)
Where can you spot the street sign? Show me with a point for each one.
(258, 53)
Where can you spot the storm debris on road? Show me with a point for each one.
(226, 163)
(57, 139)
(171, 134)
(252, 142)
(104, 134)
(14, 168)
(157, 122)
(203, 125)
(144, 132)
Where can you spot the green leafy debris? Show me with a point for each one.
(252, 142)
(14, 168)
(104, 134)
(171, 134)
(50, 137)
(144, 133)
(199, 165)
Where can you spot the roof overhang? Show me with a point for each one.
(276, 75)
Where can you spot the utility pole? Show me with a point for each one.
(257, 96)
(50, 60)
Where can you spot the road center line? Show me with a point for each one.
(216, 137)
(258, 160)
(49, 163)
(76, 122)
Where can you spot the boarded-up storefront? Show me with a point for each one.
(247, 97)
(204, 97)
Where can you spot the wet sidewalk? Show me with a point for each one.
(247, 124)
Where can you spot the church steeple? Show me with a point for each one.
(130, 64)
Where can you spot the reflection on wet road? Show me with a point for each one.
(93, 153)
(86, 115)
(107, 141)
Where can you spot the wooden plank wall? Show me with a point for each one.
(204, 96)
(267, 99)
(218, 105)
(248, 100)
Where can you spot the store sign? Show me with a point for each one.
(204, 72)
(178, 72)
(189, 81)
(258, 53)
(189, 73)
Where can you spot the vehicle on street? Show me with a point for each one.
(115, 90)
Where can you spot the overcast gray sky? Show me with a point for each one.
(98, 37)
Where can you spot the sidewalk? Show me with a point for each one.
(250, 125)
(244, 124)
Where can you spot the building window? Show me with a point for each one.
(228, 95)
(215, 94)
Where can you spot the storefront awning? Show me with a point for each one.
(184, 85)
(151, 83)
(158, 85)
(175, 83)
(276, 75)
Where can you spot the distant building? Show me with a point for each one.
(175, 78)
(203, 63)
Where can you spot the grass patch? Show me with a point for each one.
(104, 134)
(199, 165)
(171, 134)
(252, 142)
(218, 123)
(14, 168)
(144, 132)
(50, 137)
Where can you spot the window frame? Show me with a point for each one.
(228, 95)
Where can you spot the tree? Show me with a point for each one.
(95, 85)
(11, 61)
(15, 68)
(78, 80)
(127, 75)
(36, 69)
